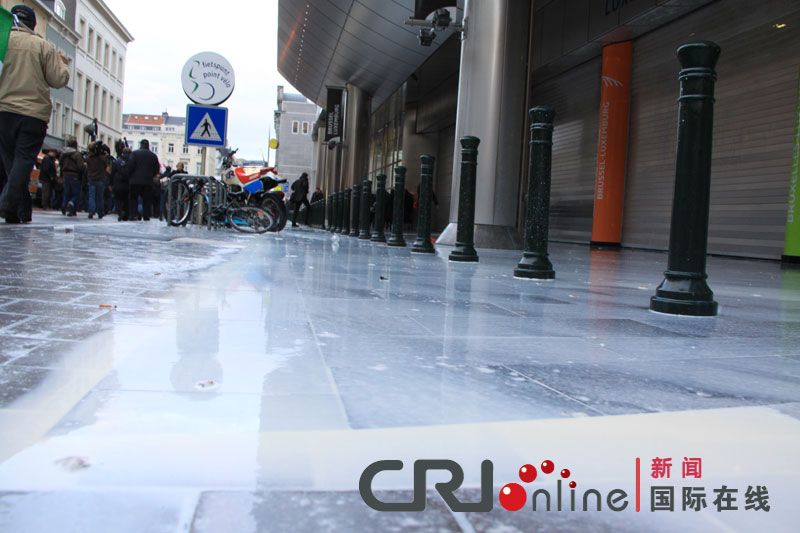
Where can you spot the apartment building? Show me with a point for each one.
(99, 71)
(166, 135)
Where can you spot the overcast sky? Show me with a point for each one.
(168, 32)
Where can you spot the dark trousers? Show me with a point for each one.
(121, 202)
(47, 192)
(297, 206)
(72, 191)
(146, 192)
(21, 139)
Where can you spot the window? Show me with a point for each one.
(99, 48)
(60, 9)
(103, 114)
(185, 149)
(86, 96)
(171, 148)
(113, 62)
(66, 117)
(199, 151)
(90, 42)
(199, 169)
(295, 127)
(79, 87)
(305, 128)
(82, 30)
(105, 56)
(120, 72)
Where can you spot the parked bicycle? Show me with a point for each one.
(209, 202)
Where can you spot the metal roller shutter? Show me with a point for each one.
(575, 96)
(754, 113)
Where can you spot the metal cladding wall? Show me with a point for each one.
(754, 114)
(753, 127)
(575, 96)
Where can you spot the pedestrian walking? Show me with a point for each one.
(119, 184)
(71, 166)
(97, 165)
(48, 176)
(31, 67)
(142, 168)
(300, 197)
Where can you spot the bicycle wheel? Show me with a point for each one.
(181, 205)
(277, 210)
(250, 219)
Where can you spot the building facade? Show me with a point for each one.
(294, 120)
(99, 71)
(166, 135)
(517, 54)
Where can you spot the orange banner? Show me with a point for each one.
(612, 144)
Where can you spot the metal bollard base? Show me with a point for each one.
(684, 294)
(464, 253)
(423, 246)
(534, 266)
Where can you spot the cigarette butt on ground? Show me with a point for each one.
(106, 306)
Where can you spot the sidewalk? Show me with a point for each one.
(180, 379)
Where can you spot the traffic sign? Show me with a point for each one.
(208, 78)
(206, 125)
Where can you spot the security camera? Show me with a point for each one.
(441, 19)
(426, 36)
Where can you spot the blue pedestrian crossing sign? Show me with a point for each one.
(206, 125)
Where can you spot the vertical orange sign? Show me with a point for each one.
(612, 144)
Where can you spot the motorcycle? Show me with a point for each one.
(256, 188)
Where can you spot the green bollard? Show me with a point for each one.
(366, 191)
(399, 201)
(378, 234)
(329, 213)
(356, 210)
(346, 227)
(335, 209)
(339, 210)
(465, 234)
(534, 263)
(684, 290)
(423, 243)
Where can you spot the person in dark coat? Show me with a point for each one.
(119, 184)
(47, 177)
(300, 197)
(317, 196)
(141, 168)
(71, 166)
(97, 164)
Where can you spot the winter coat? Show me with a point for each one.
(97, 167)
(47, 172)
(142, 167)
(71, 163)
(119, 179)
(31, 67)
(300, 188)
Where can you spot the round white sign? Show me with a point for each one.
(207, 78)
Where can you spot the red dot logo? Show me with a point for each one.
(572, 484)
(513, 497)
(527, 473)
(565, 473)
(548, 467)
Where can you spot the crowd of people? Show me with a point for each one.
(130, 184)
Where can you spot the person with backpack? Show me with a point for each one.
(72, 168)
(300, 197)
